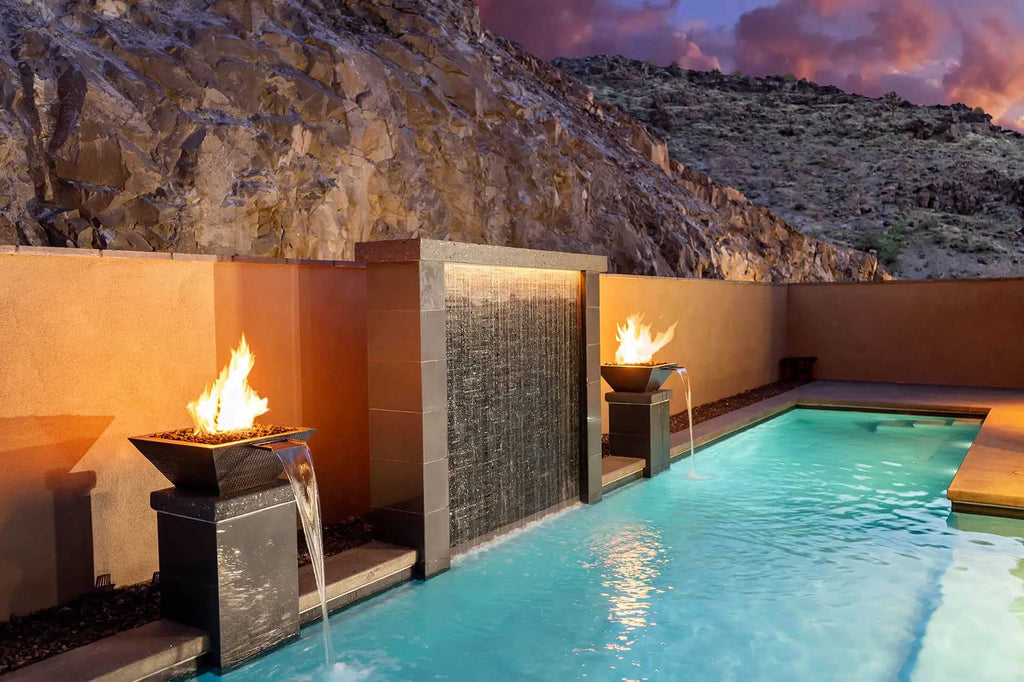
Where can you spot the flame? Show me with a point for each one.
(636, 347)
(230, 404)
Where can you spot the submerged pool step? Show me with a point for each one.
(922, 422)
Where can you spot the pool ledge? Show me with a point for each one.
(163, 650)
(989, 481)
(619, 471)
(354, 575)
(156, 651)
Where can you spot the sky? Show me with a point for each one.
(929, 51)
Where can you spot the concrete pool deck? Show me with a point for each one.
(989, 481)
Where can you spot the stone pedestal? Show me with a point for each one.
(229, 566)
(638, 426)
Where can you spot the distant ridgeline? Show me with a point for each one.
(936, 191)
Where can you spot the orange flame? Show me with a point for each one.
(230, 404)
(636, 346)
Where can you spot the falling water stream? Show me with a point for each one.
(298, 465)
(685, 376)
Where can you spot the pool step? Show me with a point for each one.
(922, 422)
(618, 471)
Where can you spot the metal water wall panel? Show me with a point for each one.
(514, 373)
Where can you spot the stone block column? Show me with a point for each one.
(590, 469)
(229, 566)
(408, 409)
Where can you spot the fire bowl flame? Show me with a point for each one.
(637, 378)
(220, 468)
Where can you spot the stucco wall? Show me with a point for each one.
(93, 350)
(939, 332)
(730, 335)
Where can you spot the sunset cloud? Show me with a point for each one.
(991, 72)
(930, 51)
(578, 28)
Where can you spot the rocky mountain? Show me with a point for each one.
(296, 128)
(936, 191)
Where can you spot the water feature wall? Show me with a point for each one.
(484, 390)
(513, 394)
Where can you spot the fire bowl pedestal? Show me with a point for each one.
(638, 413)
(228, 543)
(229, 566)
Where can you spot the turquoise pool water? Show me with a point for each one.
(821, 548)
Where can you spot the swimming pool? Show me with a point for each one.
(821, 547)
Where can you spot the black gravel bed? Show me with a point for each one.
(707, 411)
(28, 639)
(338, 537)
(224, 437)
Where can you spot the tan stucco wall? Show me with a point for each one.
(93, 350)
(730, 335)
(939, 332)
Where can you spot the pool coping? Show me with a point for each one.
(989, 481)
(354, 575)
(619, 471)
(161, 650)
(164, 650)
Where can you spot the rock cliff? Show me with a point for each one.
(296, 128)
(938, 191)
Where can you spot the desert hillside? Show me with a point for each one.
(297, 128)
(937, 191)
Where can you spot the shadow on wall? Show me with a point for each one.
(74, 494)
(47, 547)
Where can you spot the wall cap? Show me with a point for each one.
(415, 250)
(72, 252)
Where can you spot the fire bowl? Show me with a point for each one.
(223, 469)
(637, 378)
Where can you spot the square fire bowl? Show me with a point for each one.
(225, 469)
(637, 378)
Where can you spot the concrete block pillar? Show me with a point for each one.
(408, 409)
(229, 566)
(590, 403)
(638, 426)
